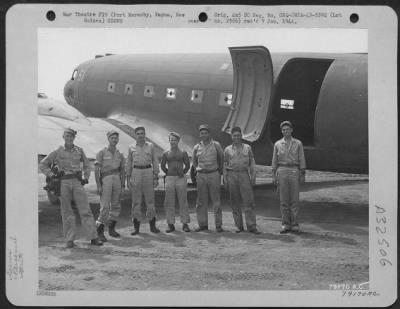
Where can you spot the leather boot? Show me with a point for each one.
(153, 228)
(136, 226)
(171, 228)
(111, 229)
(100, 233)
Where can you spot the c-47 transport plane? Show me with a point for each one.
(323, 95)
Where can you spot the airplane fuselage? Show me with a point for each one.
(324, 95)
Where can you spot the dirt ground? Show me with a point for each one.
(332, 247)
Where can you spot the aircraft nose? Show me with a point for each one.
(69, 92)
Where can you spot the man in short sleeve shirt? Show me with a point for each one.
(208, 160)
(110, 180)
(142, 177)
(68, 159)
(239, 177)
(288, 172)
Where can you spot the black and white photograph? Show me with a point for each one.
(233, 156)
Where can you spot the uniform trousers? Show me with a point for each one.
(110, 206)
(208, 186)
(241, 192)
(72, 189)
(176, 186)
(288, 179)
(142, 185)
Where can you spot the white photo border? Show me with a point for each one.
(21, 122)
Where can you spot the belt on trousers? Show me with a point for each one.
(114, 171)
(69, 176)
(236, 170)
(207, 171)
(141, 167)
(288, 165)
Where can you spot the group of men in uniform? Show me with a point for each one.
(235, 164)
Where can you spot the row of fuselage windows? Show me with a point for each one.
(197, 95)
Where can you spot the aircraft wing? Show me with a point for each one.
(54, 116)
(157, 131)
(91, 135)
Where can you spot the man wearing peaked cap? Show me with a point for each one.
(286, 123)
(139, 129)
(70, 131)
(112, 132)
(236, 129)
(142, 177)
(208, 160)
(68, 159)
(175, 134)
(288, 171)
(204, 127)
(110, 180)
(239, 177)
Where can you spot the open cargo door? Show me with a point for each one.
(252, 90)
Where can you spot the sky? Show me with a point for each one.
(60, 50)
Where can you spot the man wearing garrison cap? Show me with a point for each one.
(142, 177)
(110, 180)
(208, 160)
(68, 159)
(288, 171)
(239, 177)
(175, 164)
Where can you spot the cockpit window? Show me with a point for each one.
(81, 74)
(74, 74)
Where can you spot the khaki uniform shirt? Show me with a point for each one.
(141, 156)
(291, 153)
(208, 157)
(67, 160)
(239, 158)
(107, 161)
